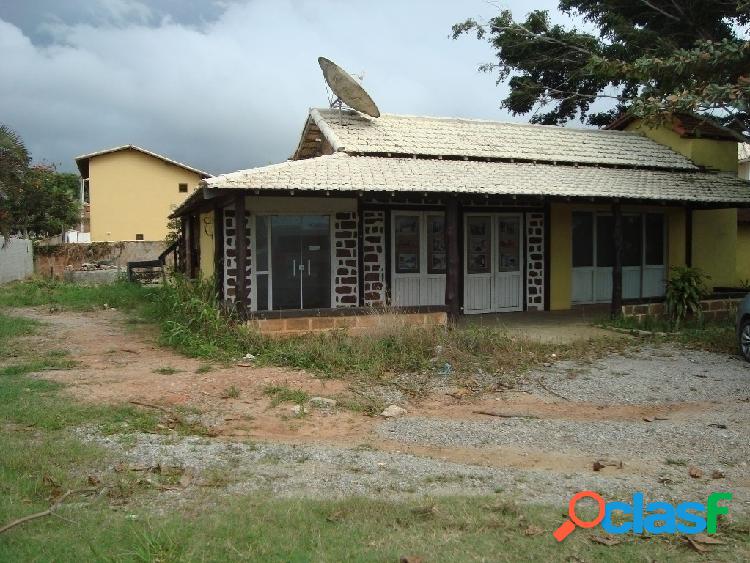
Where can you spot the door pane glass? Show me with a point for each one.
(632, 240)
(286, 261)
(261, 243)
(436, 252)
(654, 239)
(605, 241)
(478, 243)
(407, 244)
(316, 262)
(509, 244)
(583, 240)
(262, 292)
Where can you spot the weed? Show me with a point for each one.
(232, 392)
(680, 462)
(204, 368)
(167, 370)
(281, 394)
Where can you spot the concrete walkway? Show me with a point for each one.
(548, 326)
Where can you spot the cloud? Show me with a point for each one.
(231, 90)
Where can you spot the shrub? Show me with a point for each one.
(685, 289)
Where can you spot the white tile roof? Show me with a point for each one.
(355, 133)
(90, 155)
(343, 172)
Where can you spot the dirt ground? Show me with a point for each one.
(541, 432)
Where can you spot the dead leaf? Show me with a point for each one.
(119, 468)
(93, 480)
(533, 530)
(696, 546)
(648, 419)
(598, 466)
(50, 481)
(705, 538)
(605, 540)
(410, 559)
(694, 472)
(717, 474)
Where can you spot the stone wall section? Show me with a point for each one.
(535, 261)
(374, 258)
(230, 256)
(346, 288)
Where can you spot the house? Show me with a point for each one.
(460, 216)
(129, 191)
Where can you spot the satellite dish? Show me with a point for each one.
(347, 89)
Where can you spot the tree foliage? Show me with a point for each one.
(36, 201)
(650, 57)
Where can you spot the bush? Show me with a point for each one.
(685, 289)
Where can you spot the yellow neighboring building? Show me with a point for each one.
(130, 191)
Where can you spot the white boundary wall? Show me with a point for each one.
(16, 260)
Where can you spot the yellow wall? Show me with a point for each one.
(743, 253)
(711, 153)
(206, 241)
(133, 193)
(561, 246)
(715, 245)
(561, 256)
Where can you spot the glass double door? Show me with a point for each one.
(300, 261)
(493, 262)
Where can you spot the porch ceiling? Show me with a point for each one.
(340, 172)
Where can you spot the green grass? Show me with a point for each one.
(120, 295)
(167, 370)
(713, 336)
(280, 394)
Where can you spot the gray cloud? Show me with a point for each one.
(226, 85)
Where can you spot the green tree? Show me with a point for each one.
(44, 204)
(649, 57)
(14, 163)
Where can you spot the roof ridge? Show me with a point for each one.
(144, 151)
(352, 113)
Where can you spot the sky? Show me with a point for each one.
(225, 85)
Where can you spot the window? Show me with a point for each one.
(407, 244)
(479, 242)
(139, 236)
(654, 239)
(632, 240)
(183, 188)
(436, 252)
(605, 241)
(509, 244)
(583, 240)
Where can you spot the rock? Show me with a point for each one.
(298, 410)
(717, 474)
(323, 403)
(393, 411)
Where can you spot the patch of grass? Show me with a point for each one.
(204, 368)
(167, 370)
(280, 394)
(680, 462)
(713, 336)
(42, 291)
(13, 327)
(231, 392)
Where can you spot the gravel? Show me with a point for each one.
(321, 471)
(664, 374)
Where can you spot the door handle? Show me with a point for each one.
(294, 268)
(308, 268)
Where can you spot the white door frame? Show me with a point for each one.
(423, 278)
(493, 279)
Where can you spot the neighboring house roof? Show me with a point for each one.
(82, 161)
(743, 152)
(394, 135)
(343, 172)
(687, 125)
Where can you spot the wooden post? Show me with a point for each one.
(453, 260)
(240, 232)
(187, 235)
(689, 237)
(219, 251)
(616, 306)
